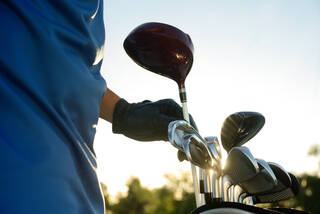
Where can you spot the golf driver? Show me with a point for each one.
(167, 51)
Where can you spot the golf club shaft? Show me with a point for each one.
(185, 112)
(183, 99)
(201, 186)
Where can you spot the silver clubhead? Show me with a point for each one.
(197, 152)
(178, 131)
(215, 150)
(241, 165)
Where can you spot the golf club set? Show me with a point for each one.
(244, 180)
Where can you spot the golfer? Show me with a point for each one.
(51, 96)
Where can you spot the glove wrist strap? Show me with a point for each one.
(118, 115)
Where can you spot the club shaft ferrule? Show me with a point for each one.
(183, 95)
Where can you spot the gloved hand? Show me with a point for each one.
(146, 121)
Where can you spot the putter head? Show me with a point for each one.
(241, 165)
(239, 128)
(162, 49)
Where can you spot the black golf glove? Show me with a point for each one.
(146, 121)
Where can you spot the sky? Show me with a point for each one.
(250, 55)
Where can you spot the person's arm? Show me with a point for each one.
(107, 106)
(142, 121)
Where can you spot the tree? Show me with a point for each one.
(106, 195)
(139, 200)
(176, 197)
(315, 151)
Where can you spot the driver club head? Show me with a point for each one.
(239, 128)
(162, 49)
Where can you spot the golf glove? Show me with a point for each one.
(146, 121)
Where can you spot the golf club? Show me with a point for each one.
(239, 128)
(283, 177)
(280, 195)
(215, 149)
(240, 167)
(264, 181)
(167, 51)
(240, 164)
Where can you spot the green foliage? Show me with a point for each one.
(139, 200)
(104, 190)
(314, 150)
(174, 198)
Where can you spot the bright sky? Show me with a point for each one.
(250, 55)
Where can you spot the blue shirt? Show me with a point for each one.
(50, 92)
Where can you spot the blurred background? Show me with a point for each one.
(250, 55)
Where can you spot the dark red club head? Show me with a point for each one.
(162, 49)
